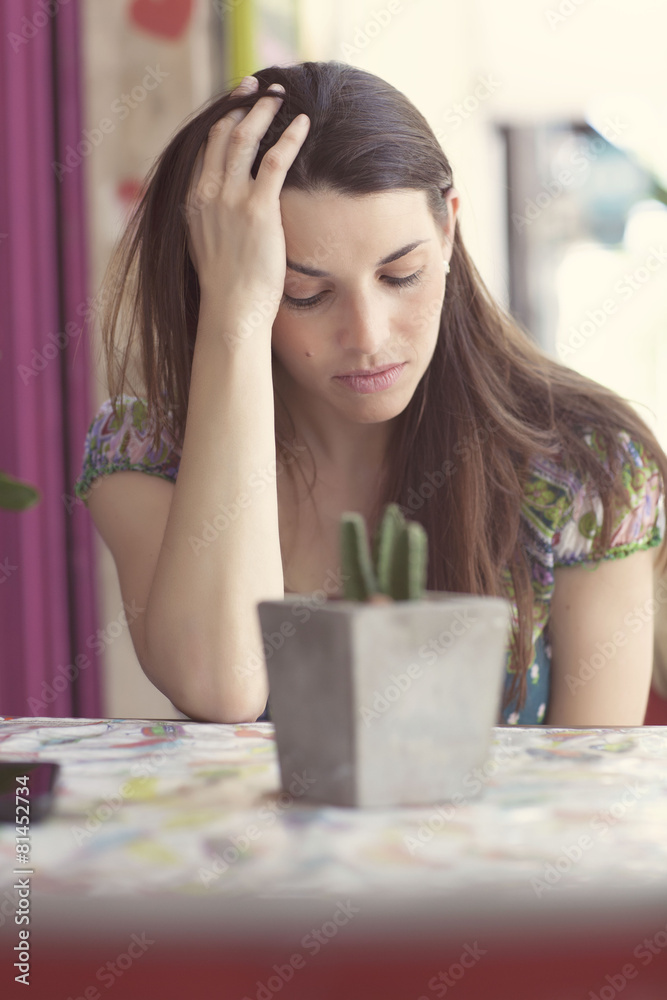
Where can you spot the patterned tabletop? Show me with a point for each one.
(196, 808)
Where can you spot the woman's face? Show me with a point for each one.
(351, 311)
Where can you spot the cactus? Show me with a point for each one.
(396, 567)
(357, 567)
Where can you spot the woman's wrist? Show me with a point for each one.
(237, 322)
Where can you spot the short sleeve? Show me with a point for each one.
(125, 443)
(640, 526)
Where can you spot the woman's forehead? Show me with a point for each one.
(377, 202)
(342, 222)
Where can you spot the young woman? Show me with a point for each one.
(273, 262)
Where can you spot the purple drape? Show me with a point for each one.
(49, 664)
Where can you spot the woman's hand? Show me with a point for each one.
(235, 234)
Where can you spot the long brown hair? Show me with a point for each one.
(490, 395)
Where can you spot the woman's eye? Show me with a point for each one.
(412, 279)
(291, 303)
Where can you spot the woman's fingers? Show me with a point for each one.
(238, 143)
(279, 158)
(235, 230)
(210, 157)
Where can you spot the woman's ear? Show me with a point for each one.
(449, 223)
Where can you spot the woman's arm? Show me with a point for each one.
(601, 629)
(221, 553)
(660, 638)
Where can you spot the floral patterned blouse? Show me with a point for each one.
(561, 517)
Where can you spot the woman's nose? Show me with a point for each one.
(364, 325)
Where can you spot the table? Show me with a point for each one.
(549, 881)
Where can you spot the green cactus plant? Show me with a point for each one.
(395, 569)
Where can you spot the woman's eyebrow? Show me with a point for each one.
(313, 272)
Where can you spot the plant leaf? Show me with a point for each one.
(16, 494)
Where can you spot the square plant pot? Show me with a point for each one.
(384, 705)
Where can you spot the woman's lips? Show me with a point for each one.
(371, 383)
(370, 371)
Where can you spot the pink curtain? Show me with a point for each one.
(49, 644)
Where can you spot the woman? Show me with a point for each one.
(270, 258)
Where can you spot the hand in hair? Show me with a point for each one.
(235, 235)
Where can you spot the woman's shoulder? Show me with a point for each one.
(565, 504)
(122, 439)
(561, 473)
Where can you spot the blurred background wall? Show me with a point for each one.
(552, 113)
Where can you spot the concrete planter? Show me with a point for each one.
(385, 705)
